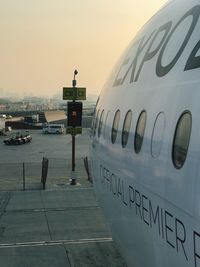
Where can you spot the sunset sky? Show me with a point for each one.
(43, 41)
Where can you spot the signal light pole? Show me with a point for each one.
(74, 116)
(73, 178)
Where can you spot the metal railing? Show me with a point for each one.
(27, 175)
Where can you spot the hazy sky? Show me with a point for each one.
(43, 41)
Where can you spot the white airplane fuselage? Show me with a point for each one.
(148, 184)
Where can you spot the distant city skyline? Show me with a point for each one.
(43, 42)
(12, 94)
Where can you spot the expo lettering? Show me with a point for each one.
(158, 41)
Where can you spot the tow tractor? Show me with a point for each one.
(18, 138)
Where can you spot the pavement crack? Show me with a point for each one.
(4, 203)
(45, 213)
(68, 257)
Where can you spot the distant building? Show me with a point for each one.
(3, 107)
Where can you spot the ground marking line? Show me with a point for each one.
(56, 242)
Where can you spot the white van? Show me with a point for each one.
(53, 128)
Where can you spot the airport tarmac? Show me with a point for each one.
(25, 160)
(60, 226)
(44, 145)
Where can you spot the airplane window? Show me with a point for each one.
(139, 133)
(181, 139)
(92, 124)
(96, 122)
(100, 123)
(115, 126)
(105, 126)
(126, 128)
(97, 102)
(93, 130)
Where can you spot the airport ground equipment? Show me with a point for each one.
(18, 138)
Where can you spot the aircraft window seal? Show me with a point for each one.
(126, 128)
(157, 135)
(115, 126)
(96, 122)
(181, 139)
(100, 123)
(140, 129)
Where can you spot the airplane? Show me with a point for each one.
(145, 142)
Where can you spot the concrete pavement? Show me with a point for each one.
(59, 227)
(54, 228)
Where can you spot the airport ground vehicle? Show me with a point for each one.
(18, 138)
(2, 123)
(145, 147)
(8, 117)
(53, 128)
